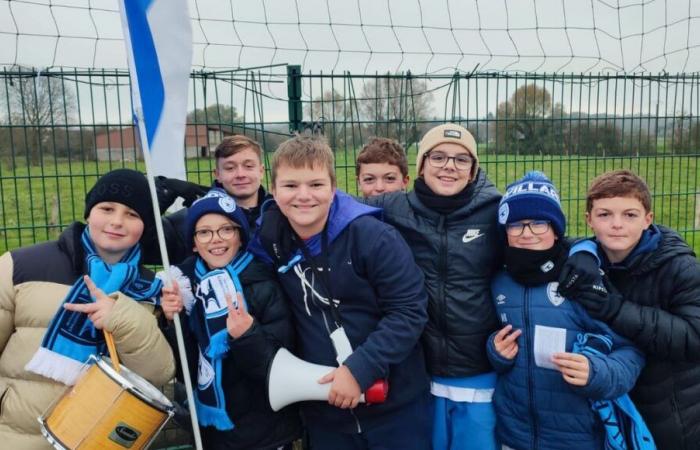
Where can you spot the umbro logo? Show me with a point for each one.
(500, 299)
(471, 234)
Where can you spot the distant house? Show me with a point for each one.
(121, 144)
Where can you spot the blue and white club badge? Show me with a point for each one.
(503, 212)
(552, 294)
(227, 204)
(205, 372)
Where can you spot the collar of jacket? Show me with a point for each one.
(484, 192)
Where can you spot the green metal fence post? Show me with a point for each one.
(294, 98)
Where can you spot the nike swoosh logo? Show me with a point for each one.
(467, 239)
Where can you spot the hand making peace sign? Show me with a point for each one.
(97, 312)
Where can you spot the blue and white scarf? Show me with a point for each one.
(625, 428)
(208, 321)
(71, 336)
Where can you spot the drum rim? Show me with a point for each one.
(103, 364)
(49, 436)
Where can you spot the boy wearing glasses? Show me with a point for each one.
(449, 222)
(236, 319)
(545, 384)
(381, 167)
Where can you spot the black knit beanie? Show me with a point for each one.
(127, 187)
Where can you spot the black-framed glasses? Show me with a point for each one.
(536, 227)
(225, 233)
(439, 160)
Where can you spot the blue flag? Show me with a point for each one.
(158, 39)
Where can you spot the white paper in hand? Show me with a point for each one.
(548, 341)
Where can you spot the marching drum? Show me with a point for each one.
(106, 409)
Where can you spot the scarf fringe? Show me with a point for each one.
(218, 344)
(55, 366)
(210, 416)
(183, 282)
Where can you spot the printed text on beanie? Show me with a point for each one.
(125, 186)
(532, 197)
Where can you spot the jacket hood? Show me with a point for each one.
(344, 210)
(669, 246)
(274, 242)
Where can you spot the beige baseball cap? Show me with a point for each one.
(441, 134)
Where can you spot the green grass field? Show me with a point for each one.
(37, 202)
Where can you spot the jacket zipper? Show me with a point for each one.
(325, 322)
(530, 387)
(357, 421)
(443, 279)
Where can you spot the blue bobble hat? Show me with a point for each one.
(532, 197)
(216, 201)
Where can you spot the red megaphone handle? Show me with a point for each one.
(378, 392)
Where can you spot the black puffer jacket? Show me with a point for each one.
(661, 314)
(246, 365)
(458, 253)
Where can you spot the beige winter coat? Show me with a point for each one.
(28, 302)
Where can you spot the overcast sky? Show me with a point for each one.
(424, 36)
(369, 36)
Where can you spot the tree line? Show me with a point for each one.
(38, 120)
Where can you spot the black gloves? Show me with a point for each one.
(579, 269)
(169, 189)
(582, 280)
(602, 301)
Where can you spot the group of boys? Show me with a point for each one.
(455, 245)
(397, 287)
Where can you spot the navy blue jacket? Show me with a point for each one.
(535, 407)
(382, 305)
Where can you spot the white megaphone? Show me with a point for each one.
(292, 380)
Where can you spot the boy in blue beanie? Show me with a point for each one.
(546, 381)
(236, 319)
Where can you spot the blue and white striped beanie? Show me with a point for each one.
(532, 197)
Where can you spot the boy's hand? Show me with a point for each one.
(345, 392)
(579, 269)
(574, 367)
(238, 320)
(506, 343)
(601, 302)
(171, 301)
(99, 310)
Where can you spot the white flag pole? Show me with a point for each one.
(168, 281)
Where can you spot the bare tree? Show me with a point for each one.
(397, 106)
(338, 117)
(37, 105)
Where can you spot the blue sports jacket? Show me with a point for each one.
(535, 407)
